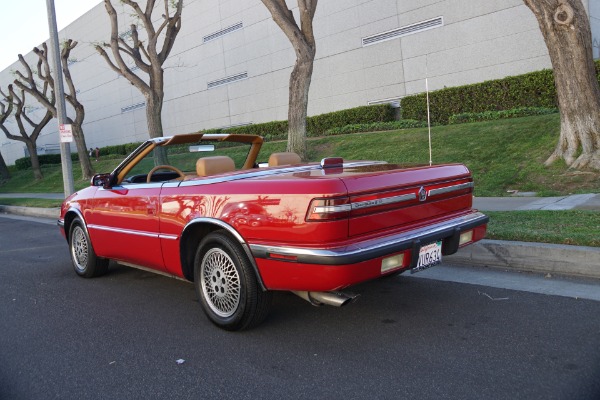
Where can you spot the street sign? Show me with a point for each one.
(66, 133)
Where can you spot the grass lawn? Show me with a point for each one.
(503, 155)
(574, 227)
(27, 202)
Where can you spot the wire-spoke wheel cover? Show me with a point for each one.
(220, 282)
(79, 248)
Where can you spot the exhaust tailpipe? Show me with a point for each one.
(336, 299)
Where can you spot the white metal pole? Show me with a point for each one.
(428, 119)
(65, 148)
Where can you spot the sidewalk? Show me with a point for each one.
(589, 201)
(578, 261)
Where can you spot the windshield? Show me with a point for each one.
(184, 157)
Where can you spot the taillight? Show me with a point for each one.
(328, 209)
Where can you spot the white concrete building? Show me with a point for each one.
(231, 63)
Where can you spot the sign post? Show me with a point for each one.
(65, 148)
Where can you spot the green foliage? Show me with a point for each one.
(119, 149)
(495, 115)
(44, 159)
(28, 202)
(268, 130)
(318, 124)
(535, 89)
(503, 155)
(574, 227)
(377, 126)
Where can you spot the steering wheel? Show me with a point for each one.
(153, 170)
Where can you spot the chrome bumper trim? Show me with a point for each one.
(375, 248)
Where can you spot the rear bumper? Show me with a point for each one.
(295, 268)
(363, 251)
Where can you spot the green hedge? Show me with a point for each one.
(495, 115)
(119, 149)
(535, 89)
(319, 124)
(44, 159)
(377, 127)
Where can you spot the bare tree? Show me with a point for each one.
(303, 40)
(29, 83)
(4, 172)
(14, 102)
(566, 29)
(147, 57)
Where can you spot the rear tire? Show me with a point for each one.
(227, 285)
(85, 261)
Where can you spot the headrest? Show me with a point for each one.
(214, 165)
(278, 159)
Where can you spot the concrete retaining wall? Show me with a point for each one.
(536, 257)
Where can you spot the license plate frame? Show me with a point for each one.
(430, 255)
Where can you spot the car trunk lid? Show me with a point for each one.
(391, 196)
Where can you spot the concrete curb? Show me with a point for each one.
(31, 211)
(580, 261)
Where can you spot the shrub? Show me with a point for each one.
(494, 115)
(317, 125)
(535, 89)
(119, 149)
(377, 126)
(44, 159)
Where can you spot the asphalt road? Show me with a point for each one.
(120, 336)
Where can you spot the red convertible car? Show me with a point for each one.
(240, 231)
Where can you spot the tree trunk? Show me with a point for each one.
(35, 161)
(298, 107)
(87, 171)
(566, 30)
(302, 39)
(4, 173)
(154, 105)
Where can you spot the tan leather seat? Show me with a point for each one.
(214, 165)
(288, 158)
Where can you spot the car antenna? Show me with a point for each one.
(428, 119)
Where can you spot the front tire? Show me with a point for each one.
(227, 285)
(85, 261)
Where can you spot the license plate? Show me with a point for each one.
(429, 255)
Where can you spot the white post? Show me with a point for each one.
(65, 148)
(428, 119)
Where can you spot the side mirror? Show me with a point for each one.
(103, 180)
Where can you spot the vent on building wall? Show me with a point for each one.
(227, 80)
(403, 31)
(133, 107)
(223, 32)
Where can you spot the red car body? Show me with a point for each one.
(308, 228)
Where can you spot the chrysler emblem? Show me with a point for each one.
(422, 194)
